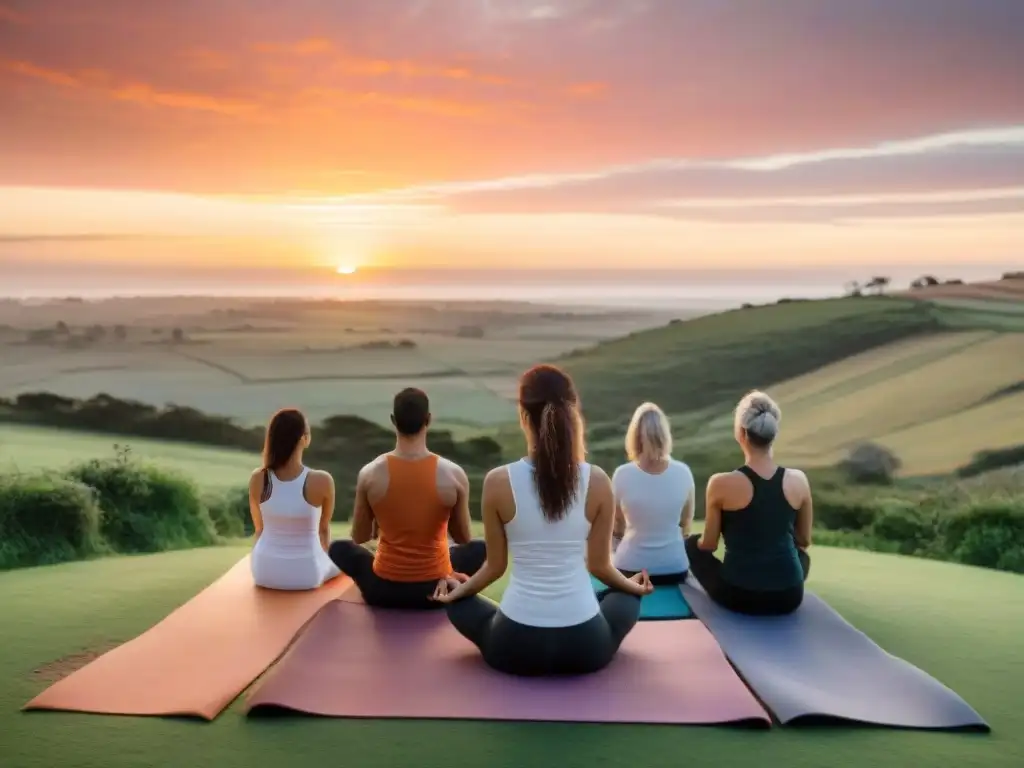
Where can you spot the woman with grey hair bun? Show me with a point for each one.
(764, 513)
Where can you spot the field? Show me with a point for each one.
(935, 401)
(965, 633)
(28, 449)
(246, 359)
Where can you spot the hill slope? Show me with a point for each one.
(713, 360)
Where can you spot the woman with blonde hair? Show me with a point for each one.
(764, 513)
(654, 500)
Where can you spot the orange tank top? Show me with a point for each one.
(413, 523)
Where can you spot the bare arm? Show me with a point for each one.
(712, 516)
(805, 517)
(619, 521)
(686, 518)
(326, 490)
(255, 492)
(601, 501)
(459, 527)
(494, 539)
(363, 523)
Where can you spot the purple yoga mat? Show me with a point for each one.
(356, 661)
(814, 666)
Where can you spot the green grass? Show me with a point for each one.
(714, 359)
(962, 625)
(28, 449)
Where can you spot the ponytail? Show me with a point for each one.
(555, 458)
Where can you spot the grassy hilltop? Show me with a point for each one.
(934, 381)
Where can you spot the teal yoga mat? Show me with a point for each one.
(664, 603)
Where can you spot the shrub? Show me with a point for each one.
(985, 461)
(842, 513)
(906, 525)
(46, 519)
(229, 512)
(145, 508)
(869, 463)
(989, 534)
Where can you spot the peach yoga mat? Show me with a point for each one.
(197, 660)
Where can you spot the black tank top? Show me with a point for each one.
(760, 549)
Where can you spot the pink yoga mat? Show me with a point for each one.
(356, 661)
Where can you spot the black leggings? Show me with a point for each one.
(518, 649)
(356, 561)
(708, 570)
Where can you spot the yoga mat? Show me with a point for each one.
(197, 660)
(665, 602)
(814, 666)
(355, 661)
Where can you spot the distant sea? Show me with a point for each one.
(636, 289)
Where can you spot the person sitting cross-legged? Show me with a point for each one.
(654, 501)
(551, 512)
(764, 513)
(411, 500)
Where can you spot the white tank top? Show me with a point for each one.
(290, 523)
(652, 505)
(549, 585)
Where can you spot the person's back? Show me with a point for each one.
(654, 506)
(760, 546)
(549, 585)
(413, 522)
(551, 516)
(291, 530)
(764, 512)
(411, 500)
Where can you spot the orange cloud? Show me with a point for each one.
(335, 99)
(312, 46)
(52, 76)
(378, 67)
(587, 90)
(369, 67)
(138, 93)
(207, 60)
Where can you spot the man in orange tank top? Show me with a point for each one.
(411, 500)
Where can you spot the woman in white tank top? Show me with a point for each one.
(291, 507)
(654, 501)
(553, 513)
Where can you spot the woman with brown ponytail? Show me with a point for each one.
(553, 513)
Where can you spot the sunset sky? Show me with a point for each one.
(507, 133)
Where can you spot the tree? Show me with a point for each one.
(878, 284)
(925, 281)
(853, 288)
(177, 336)
(61, 328)
(120, 332)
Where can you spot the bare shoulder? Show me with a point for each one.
(599, 479)
(720, 479)
(373, 468)
(497, 479)
(452, 470)
(256, 478)
(796, 478)
(320, 478)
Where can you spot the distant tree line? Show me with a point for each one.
(338, 441)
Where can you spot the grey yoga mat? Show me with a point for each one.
(813, 666)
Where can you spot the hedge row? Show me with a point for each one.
(985, 532)
(105, 507)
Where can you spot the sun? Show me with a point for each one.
(345, 269)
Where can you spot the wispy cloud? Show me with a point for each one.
(105, 84)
